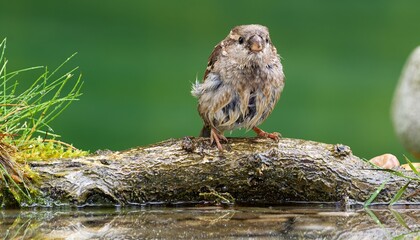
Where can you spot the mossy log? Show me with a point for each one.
(249, 171)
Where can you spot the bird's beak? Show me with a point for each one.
(255, 43)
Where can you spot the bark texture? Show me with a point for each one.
(249, 171)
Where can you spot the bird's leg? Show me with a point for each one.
(275, 135)
(215, 136)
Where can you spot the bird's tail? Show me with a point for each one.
(205, 131)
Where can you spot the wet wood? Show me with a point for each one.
(249, 171)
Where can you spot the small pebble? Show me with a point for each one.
(407, 167)
(387, 161)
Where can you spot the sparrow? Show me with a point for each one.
(242, 83)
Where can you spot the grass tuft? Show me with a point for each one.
(25, 117)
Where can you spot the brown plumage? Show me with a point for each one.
(242, 83)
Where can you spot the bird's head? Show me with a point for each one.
(249, 43)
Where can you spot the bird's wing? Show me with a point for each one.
(212, 60)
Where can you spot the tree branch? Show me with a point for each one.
(249, 171)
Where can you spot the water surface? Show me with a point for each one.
(285, 222)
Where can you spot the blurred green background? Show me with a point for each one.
(342, 60)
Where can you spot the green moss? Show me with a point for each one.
(41, 149)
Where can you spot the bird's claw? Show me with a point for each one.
(261, 133)
(275, 136)
(215, 137)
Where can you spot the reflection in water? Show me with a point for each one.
(210, 223)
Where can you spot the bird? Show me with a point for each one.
(242, 83)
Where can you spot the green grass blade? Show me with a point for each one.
(412, 166)
(399, 194)
(4, 109)
(3, 48)
(74, 93)
(399, 219)
(6, 174)
(396, 173)
(375, 194)
(14, 73)
(374, 217)
(3, 67)
(61, 65)
(406, 235)
(41, 118)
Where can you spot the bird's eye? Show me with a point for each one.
(241, 40)
(266, 40)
